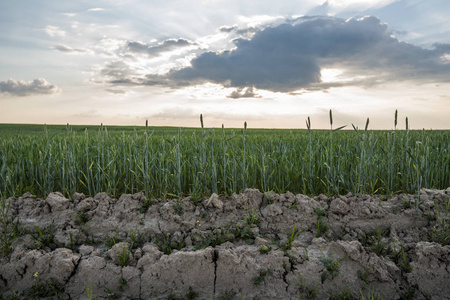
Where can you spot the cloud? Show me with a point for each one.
(228, 28)
(96, 9)
(115, 91)
(243, 93)
(289, 57)
(54, 31)
(152, 51)
(22, 88)
(67, 49)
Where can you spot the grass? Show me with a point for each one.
(167, 162)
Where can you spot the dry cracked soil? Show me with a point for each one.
(251, 245)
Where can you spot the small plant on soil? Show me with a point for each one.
(81, 218)
(371, 296)
(45, 289)
(243, 231)
(135, 239)
(406, 204)
(404, 263)
(10, 230)
(321, 212)
(74, 240)
(111, 241)
(216, 237)
(332, 267)
(310, 292)
(290, 239)
(228, 295)
(409, 294)
(260, 278)
(123, 284)
(364, 276)
(44, 237)
(252, 218)
(166, 244)
(146, 203)
(90, 291)
(191, 294)
(11, 296)
(322, 227)
(264, 249)
(375, 242)
(342, 295)
(124, 257)
(110, 294)
(178, 208)
(441, 231)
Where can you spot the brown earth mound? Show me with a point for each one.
(248, 246)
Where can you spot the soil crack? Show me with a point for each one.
(74, 271)
(215, 258)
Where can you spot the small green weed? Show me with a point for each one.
(321, 212)
(375, 242)
(265, 249)
(409, 294)
(322, 227)
(110, 241)
(441, 231)
(45, 289)
(310, 293)
(285, 247)
(110, 294)
(44, 238)
(364, 276)
(371, 296)
(81, 218)
(252, 218)
(124, 257)
(228, 295)
(178, 208)
(332, 267)
(404, 262)
(11, 296)
(123, 284)
(191, 294)
(146, 203)
(342, 295)
(90, 291)
(74, 240)
(260, 278)
(216, 237)
(166, 244)
(135, 239)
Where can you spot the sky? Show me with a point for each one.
(271, 64)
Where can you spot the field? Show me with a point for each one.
(108, 212)
(165, 162)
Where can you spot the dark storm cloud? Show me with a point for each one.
(167, 45)
(289, 57)
(22, 88)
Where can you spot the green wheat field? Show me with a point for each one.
(168, 162)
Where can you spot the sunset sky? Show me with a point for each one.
(270, 63)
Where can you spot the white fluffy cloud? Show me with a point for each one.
(22, 88)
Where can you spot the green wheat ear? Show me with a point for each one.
(331, 118)
(395, 121)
